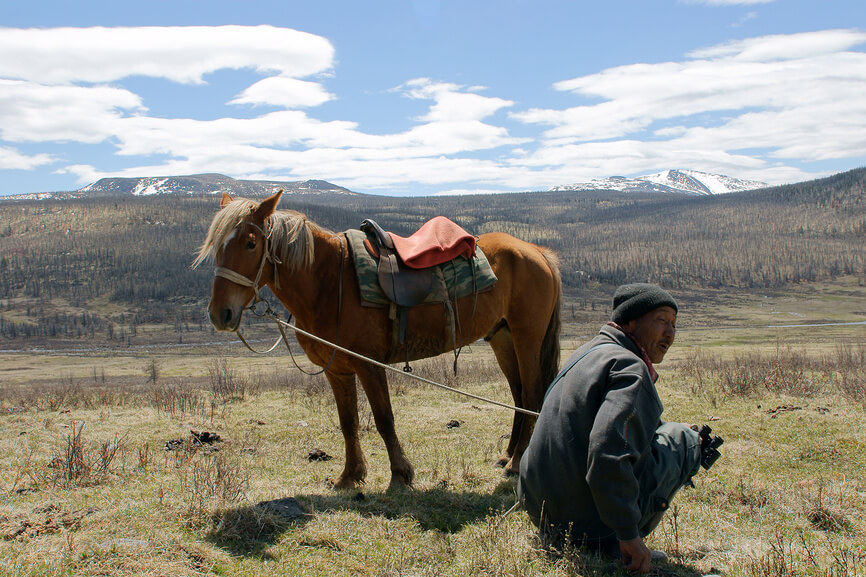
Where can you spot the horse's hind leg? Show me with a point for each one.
(346, 395)
(375, 384)
(503, 349)
(532, 394)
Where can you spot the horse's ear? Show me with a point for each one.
(267, 206)
(225, 199)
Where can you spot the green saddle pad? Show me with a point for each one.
(451, 280)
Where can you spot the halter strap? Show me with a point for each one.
(240, 279)
(231, 275)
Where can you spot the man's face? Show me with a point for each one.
(655, 331)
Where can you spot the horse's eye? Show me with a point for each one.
(251, 244)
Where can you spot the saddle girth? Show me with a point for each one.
(405, 287)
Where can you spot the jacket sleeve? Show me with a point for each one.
(622, 431)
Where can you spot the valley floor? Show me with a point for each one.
(100, 474)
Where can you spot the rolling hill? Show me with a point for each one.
(107, 264)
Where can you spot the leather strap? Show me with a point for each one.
(231, 275)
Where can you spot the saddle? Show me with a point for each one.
(438, 264)
(406, 263)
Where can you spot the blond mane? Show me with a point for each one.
(290, 234)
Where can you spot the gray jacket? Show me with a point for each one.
(592, 442)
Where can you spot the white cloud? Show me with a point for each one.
(291, 144)
(52, 81)
(284, 92)
(745, 18)
(585, 161)
(31, 112)
(749, 108)
(55, 90)
(785, 46)
(451, 102)
(182, 54)
(11, 159)
(797, 97)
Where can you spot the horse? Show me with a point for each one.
(308, 268)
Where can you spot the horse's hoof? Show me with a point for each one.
(399, 485)
(400, 482)
(346, 483)
(502, 462)
(402, 478)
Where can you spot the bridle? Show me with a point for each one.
(237, 278)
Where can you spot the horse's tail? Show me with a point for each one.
(549, 356)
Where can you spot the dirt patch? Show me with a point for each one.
(318, 455)
(782, 409)
(41, 521)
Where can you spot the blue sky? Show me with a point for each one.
(426, 97)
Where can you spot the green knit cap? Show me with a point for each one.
(631, 301)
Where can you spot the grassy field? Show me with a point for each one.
(88, 487)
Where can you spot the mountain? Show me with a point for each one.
(190, 185)
(206, 184)
(678, 181)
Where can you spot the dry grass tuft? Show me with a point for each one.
(78, 462)
(826, 512)
(227, 385)
(178, 397)
(208, 480)
(783, 371)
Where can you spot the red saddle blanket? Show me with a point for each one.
(438, 240)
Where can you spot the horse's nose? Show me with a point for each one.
(221, 319)
(226, 317)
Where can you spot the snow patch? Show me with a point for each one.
(150, 186)
(668, 181)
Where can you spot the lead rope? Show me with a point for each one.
(270, 313)
(339, 311)
(397, 370)
(517, 505)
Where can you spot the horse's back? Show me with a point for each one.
(510, 255)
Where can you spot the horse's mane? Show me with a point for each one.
(290, 234)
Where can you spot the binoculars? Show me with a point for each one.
(709, 447)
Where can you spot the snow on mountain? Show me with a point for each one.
(668, 181)
(149, 186)
(205, 184)
(191, 184)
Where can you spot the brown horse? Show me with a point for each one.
(308, 268)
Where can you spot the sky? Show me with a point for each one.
(426, 97)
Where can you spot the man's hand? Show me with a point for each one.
(636, 555)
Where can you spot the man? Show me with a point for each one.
(601, 467)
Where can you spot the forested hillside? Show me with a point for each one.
(104, 267)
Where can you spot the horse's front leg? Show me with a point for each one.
(346, 395)
(375, 384)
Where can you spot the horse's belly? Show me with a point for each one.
(432, 330)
